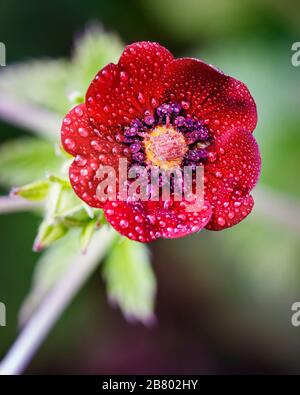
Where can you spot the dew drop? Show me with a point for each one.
(221, 221)
(185, 104)
(151, 219)
(67, 121)
(80, 160)
(83, 132)
(138, 219)
(211, 157)
(123, 76)
(162, 224)
(141, 98)
(95, 144)
(70, 143)
(78, 112)
(124, 224)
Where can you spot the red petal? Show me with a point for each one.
(147, 221)
(83, 179)
(122, 92)
(77, 132)
(232, 173)
(79, 136)
(91, 149)
(210, 95)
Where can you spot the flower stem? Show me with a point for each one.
(29, 116)
(41, 322)
(13, 204)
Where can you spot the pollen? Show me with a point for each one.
(165, 147)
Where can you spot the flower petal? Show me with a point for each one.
(230, 176)
(91, 150)
(122, 92)
(77, 132)
(79, 136)
(147, 221)
(221, 101)
(83, 178)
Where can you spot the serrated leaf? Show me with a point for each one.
(25, 160)
(130, 280)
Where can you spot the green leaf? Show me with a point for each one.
(25, 160)
(93, 50)
(34, 191)
(56, 84)
(130, 280)
(41, 82)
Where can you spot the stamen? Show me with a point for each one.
(169, 137)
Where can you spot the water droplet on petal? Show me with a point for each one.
(70, 143)
(83, 132)
(221, 221)
(141, 98)
(123, 76)
(67, 121)
(211, 157)
(185, 104)
(231, 215)
(124, 223)
(78, 112)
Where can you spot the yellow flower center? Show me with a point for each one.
(165, 147)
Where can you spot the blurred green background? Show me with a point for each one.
(224, 299)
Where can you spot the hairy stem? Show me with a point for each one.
(54, 304)
(30, 117)
(14, 204)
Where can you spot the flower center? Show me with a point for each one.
(165, 147)
(168, 139)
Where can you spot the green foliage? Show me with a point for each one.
(92, 51)
(130, 280)
(25, 160)
(35, 191)
(51, 83)
(41, 82)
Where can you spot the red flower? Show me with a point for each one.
(155, 110)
